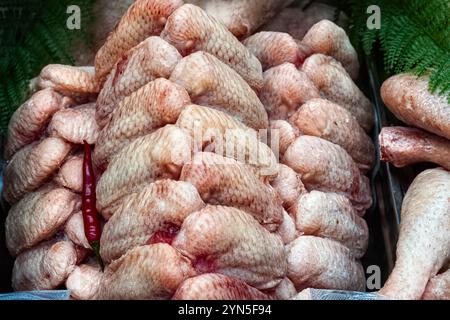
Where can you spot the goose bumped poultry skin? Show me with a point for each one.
(423, 245)
(329, 121)
(327, 38)
(156, 156)
(75, 124)
(335, 84)
(409, 99)
(38, 216)
(154, 105)
(151, 59)
(404, 146)
(155, 213)
(287, 230)
(191, 29)
(275, 48)
(218, 132)
(325, 166)
(231, 242)
(74, 230)
(212, 83)
(32, 166)
(319, 263)
(224, 181)
(242, 17)
(44, 267)
(438, 288)
(285, 90)
(70, 174)
(213, 286)
(143, 19)
(282, 134)
(152, 272)
(288, 185)
(84, 281)
(29, 121)
(79, 83)
(329, 215)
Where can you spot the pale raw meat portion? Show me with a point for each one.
(285, 290)
(319, 263)
(32, 166)
(409, 99)
(44, 267)
(75, 124)
(79, 83)
(242, 17)
(144, 18)
(84, 281)
(438, 288)
(70, 174)
(282, 134)
(329, 215)
(74, 230)
(423, 246)
(335, 84)
(275, 48)
(218, 132)
(287, 230)
(159, 155)
(329, 121)
(285, 90)
(231, 242)
(213, 286)
(325, 166)
(38, 216)
(191, 29)
(403, 146)
(151, 272)
(213, 84)
(29, 121)
(298, 20)
(327, 38)
(224, 181)
(154, 105)
(155, 213)
(288, 185)
(151, 59)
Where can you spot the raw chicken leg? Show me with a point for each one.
(329, 39)
(212, 83)
(336, 85)
(329, 215)
(231, 242)
(287, 230)
(191, 29)
(285, 290)
(75, 124)
(242, 17)
(154, 214)
(151, 59)
(403, 146)
(323, 264)
(438, 288)
(70, 174)
(288, 185)
(423, 245)
(282, 134)
(156, 156)
(149, 272)
(30, 120)
(218, 132)
(79, 83)
(44, 267)
(32, 166)
(275, 48)
(84, 281)
(143, 18)
(213, 286)
(408, 98)
(154, 105)
(327, 167)
(74, 230)
(38, 216)
(224, 181)
(285, 89)
(327, 120)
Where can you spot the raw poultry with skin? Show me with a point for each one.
(210, 175)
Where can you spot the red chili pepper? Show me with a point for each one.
(91, 219)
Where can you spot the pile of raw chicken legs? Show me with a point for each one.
(231, 163)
